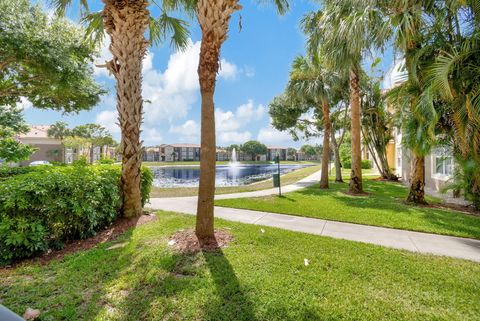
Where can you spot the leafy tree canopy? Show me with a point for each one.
(45, 59)
(254, 148)
(93, 134)
(12, 124)
(308, 150)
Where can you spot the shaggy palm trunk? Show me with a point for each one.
(125, 22)
(326, 144)
(213, 17)
(338, 164)
(356, 186)
(417, 187)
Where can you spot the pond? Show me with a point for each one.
(226, 175)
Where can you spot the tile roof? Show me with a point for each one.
(36, 131)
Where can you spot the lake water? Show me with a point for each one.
(225, 175)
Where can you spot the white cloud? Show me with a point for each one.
(24, 103)
(152, 135)
(269, 135)
(109, 119)
(226, 121)
(189, 128)
(248, 112)
(169, 94)
(229, 123)
(243, 115)
(227, 70)
(104, 56)
(234, 137)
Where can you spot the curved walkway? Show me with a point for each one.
(425, 243)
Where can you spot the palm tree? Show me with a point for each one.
(59, 130)
(126, 23)
(409, 21)
(309, 79)
(454, 78)
(343, 31)
(213, 17)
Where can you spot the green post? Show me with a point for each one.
(276, 177)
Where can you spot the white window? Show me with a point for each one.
(442, 163)
(399, 156)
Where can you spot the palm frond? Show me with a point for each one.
(282, 6)
(166, 25)
(94, 30)
(61, 6)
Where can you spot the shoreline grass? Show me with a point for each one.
(383, 207)
(260, 276)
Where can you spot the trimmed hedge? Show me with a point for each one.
(7, 171)
(43, 208)
(366, 164)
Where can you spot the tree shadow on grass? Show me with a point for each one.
(232, 303)
(285, 197)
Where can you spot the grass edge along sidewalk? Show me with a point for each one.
(384, 207)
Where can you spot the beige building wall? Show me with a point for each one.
(48, 149)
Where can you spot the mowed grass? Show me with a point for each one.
(260, 276)
(288, 178)
(383, 207)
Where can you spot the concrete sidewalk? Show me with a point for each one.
(399, 239)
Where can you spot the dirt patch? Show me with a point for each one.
(455, 207)
(355, 194)
(381, 179)
(109, 234)
(186, 241)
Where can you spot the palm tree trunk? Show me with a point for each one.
(417, 187)
(213, 17)
(206, 192)
(356, 186)
(126, 22)
(326, 144)
(338, 164)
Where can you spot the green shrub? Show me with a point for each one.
(347, 164)
(146, 186)
(367, 164)
(106, 161)
(44, 208)
(7, 171)
(20, 237)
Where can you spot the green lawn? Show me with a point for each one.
(383, 207)
(286, 179)
(260, 276)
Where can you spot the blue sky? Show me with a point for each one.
(255, 65)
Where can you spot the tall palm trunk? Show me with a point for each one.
(338, 163)
(125, 22)
(213, 17)
(417, 187)
(326, 144)
(356, 186)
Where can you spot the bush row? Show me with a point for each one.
(366, 164)
(43, 208)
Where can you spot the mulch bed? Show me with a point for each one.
(186, 241)
(109, 234)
